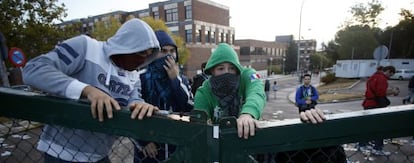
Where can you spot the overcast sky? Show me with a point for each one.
(263, 19)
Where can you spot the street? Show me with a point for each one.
(282, 107)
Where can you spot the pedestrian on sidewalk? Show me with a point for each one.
(274, 88)
(306, 96)
(376, 97)
(267, 89)
(408, 98)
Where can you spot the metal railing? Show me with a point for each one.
(196, 140)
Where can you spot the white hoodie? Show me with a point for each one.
(77, 63)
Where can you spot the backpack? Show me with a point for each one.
(197, 82)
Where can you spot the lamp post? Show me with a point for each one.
(283, 66)
(271, 60)
(300, 26)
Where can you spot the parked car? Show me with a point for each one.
(403, 74)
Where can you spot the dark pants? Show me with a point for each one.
(378, 143)
(50, 159)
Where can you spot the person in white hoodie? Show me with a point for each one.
(105, 73)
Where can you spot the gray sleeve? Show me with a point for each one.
(136, 95)
(51, 72)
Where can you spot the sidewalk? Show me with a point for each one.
(283, 106)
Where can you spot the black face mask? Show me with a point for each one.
(224, 84)
(158, 65)
(226, 87)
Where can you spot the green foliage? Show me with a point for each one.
(362, 39)
(291, 58)
(367, 14)
(106, 28)
(29, 25)
(400, 38)
(319, 61)
(329, 78)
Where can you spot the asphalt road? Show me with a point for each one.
(282, 106)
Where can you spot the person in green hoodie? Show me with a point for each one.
(232, 90)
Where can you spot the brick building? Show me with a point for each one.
(261, 55)
(201, 23)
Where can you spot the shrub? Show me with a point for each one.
(329, 78)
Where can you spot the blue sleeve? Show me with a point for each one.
(299, 100)
(181, 95)
(315, 95)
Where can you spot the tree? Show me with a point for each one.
(291, 57)
(356, 42)
(400, 38)
(367, 14)
(331, 51)
(29, 25)
(183, 52)
(106, 28)
(319, 61)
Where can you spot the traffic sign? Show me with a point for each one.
(17, 57)
(380, 52)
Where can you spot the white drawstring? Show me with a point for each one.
(108, 75)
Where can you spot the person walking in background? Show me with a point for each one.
(267, 89)
(106, 74)
(410, 92)
(274, 88)
(376, 97)
(231, 91)
(306, 95)
(164, 87)
(199, 79)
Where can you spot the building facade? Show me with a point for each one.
(306, 49)
(262, 55)
(201, 23)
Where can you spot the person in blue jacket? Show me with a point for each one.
(164, 87)
(306, 95)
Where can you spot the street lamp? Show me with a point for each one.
(271, 60)
(300, 26)
(283, 66)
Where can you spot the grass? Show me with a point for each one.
(337, 91)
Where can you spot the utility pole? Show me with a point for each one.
(300, 26)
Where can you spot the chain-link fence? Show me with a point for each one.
(336, 140)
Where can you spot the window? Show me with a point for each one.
(189, 36)
(207, 35)
(244, 50)
(221, 37)
(213, 37)
(198, 35)
(188, 12)
(156, 15)
(171, 15)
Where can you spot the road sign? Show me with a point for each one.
(380, 52)
(17, 57)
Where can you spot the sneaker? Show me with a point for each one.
(380, 152)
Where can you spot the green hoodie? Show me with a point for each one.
(251, 89)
